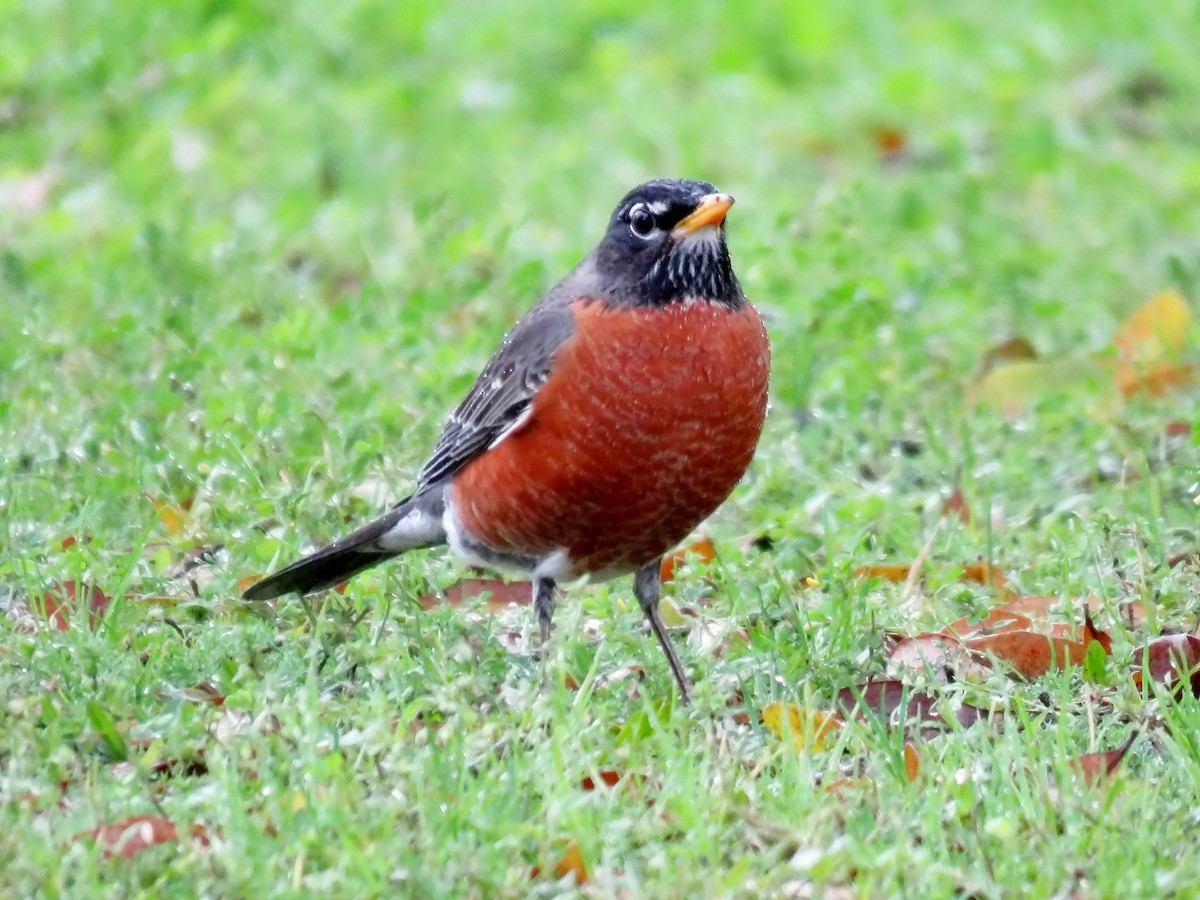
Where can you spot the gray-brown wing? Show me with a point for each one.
(503, 392)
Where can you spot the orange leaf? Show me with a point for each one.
(246, 583)
(502, 594)
(980, 573)
(1157, 326)
(702, 549)
(1157, 329)
(128, 838)
(172, 516)
(912, 761)
(571, 863)
(890, 141)
(894, 573)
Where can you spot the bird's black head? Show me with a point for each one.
(666, 243)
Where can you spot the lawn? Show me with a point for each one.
(251, 254)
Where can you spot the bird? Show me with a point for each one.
(616, 415)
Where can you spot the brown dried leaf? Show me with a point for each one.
(1029, 653)
(1011, 350)
(883, 699)
(941, 654)
(1171, 660)
(955, 506)
(127, 839)
(1096, 768)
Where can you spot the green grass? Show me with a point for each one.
(279, 240)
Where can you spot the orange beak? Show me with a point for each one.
(711, 211)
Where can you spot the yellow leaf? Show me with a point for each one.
(809, 728)
(671, 615)
(1156, 327)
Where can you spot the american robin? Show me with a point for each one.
(616, 415)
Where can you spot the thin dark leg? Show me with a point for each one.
(543, 602)
(647, 585)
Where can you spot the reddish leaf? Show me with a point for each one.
(128, 838)
(884, 698)
(501, 594)
(1001, 619)
(1170, 660)
(61, 600)
(956, 506)
(1095, 768)
(703, 550)
(607, 777)
(1031, 654)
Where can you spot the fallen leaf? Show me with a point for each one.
(956, 506)
(244, 584)
(1096, 768)
(884, 699)
(60, 602)
(979, 573)
(501, 594)
(890, 142)
(702, 550)
(912, 761)
(128, 838)
(204, 692)
(1169, 660)
(1010, 388)
(1157, 329)
(173, 516)
(606, 777)
(1029, 653)
(807, 728)
(893, 573)
(192, 765)
(571, 863)
(1013, 349)
(943, 655)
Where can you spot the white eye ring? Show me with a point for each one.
(641, 221)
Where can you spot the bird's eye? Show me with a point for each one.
(641, 222)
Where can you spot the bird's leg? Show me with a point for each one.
(543, 602)
(647, 585)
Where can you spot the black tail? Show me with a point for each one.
(411, 523)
